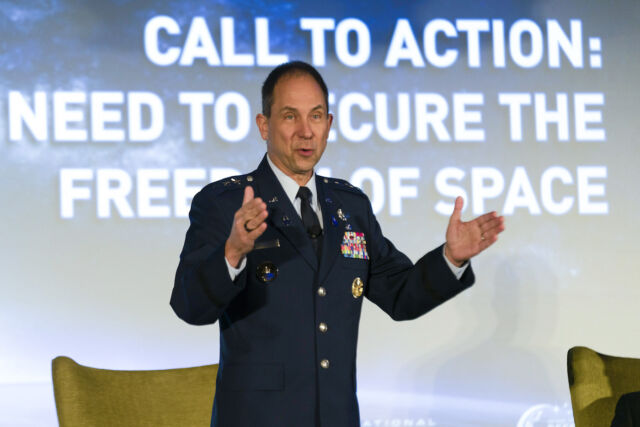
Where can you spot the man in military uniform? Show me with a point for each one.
(282, 257)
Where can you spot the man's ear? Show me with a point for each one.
(263, 126)
(330, 118)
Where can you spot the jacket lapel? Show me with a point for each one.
(282, 215)
(333, 227)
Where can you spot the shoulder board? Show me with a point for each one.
(230, 183)
(341, 184)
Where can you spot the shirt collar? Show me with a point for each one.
(290, 186)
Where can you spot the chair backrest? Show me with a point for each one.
(596, 382)
(99, 397)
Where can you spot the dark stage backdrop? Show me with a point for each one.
(114, 113)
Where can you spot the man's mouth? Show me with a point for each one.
(306, 152)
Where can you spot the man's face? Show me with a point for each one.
(297, 131)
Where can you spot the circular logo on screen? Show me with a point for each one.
(546, 415)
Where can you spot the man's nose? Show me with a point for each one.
(304, 129)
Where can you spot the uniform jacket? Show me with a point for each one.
(278, 366)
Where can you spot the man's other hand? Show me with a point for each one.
(248, 225)
(468, 239)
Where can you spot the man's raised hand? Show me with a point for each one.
(468, 239)
(248, 225)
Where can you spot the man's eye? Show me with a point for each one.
(288, 116)
(317, 116)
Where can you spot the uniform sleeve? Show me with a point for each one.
(406, 291)
(203, 287)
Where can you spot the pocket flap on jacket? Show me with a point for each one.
(260, 376)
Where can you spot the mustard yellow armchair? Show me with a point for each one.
(596, 382)
(91, 397)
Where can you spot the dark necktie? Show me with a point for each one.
(310, 219)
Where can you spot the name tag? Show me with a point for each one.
(266, 244)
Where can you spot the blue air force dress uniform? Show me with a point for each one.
(289, 320)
